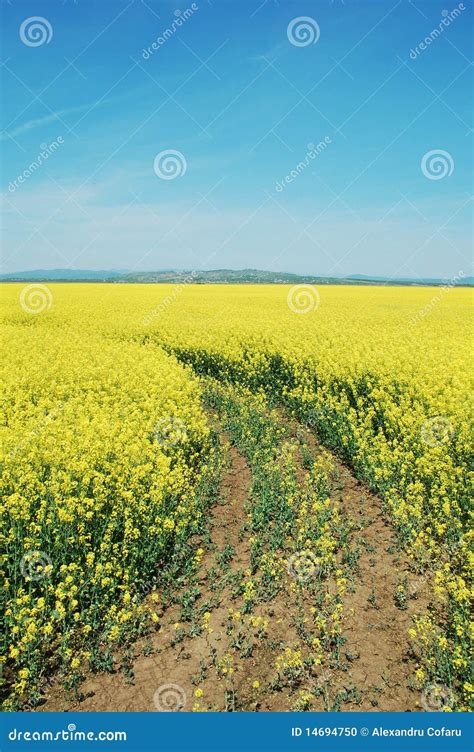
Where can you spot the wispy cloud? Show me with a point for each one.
(51, 118)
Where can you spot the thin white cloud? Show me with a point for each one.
(38, 122)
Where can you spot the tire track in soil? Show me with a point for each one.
(376, 629)
(380, 663)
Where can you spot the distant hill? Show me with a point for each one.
(68, 275)
(465, 281)
(214, 276)
(227, 276)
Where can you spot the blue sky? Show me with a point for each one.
(240, 101)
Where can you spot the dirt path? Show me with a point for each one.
(210, 654)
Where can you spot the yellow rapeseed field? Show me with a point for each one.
(105, 442)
